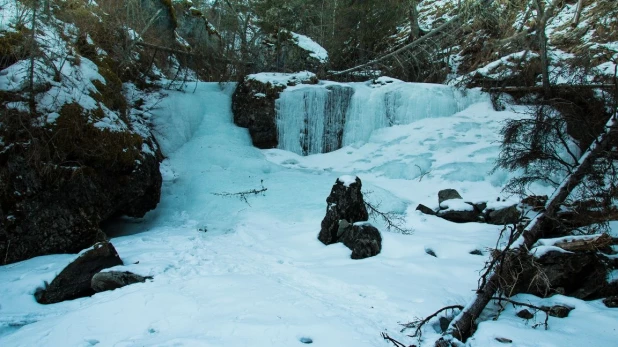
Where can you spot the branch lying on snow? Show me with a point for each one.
(243, 195)
(391, 219)
(418, 324)
(395, 342)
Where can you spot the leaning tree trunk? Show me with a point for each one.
(462, 326)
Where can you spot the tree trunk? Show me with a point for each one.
(31, 92)
(415, 30)
(578, 13)
(462, 326)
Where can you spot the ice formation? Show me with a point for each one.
(321, 118)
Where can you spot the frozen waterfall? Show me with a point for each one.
(321, 118)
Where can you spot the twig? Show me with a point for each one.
(392, 220)
(243, 195)
(419, 324)
(395, 342)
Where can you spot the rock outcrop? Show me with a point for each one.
(345, 220)
(344, 202)
(55, 193)
(253, 103)
(74, 281)
(110, 280)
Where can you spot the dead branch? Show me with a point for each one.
(419, 324)
(545, 309)
(540, 88)
(243, 195)
(392, 220)
(395, 342)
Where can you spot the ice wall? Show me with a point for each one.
(311, 118)
(322, 118)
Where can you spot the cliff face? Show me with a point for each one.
(75, 148)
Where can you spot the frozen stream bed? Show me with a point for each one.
(231, 273)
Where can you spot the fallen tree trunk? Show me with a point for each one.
(554, 86)
(463, 325)
(586, 244)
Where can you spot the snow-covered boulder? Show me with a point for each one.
(74, 281)
(344, 202)
(110, 280)
(253, 103)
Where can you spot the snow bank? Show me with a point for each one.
(282, 79)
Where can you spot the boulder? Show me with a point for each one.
(459, 212)
(507, 215)
(426, 210)
(111, 280)
(362, 238)
(74, 281)
(611, 302)
(448, 194)
(344, 202)
(253, 104)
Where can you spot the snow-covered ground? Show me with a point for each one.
(231, 273)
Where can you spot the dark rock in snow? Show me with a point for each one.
(559, 311)
(468, 216)
(525, 314)
(430, 252)
(426, 210)
(508, 215)
(253, 105)
(611, 301)
(111, 280)
(448, 194)
(74, 281)
(344, 202)
(362, 238)
(476, 252)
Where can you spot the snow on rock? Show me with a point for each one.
(282, 79)
(347, 180)
(316, 51)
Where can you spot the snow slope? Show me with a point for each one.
(234, 273)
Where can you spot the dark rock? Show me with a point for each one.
(559, 311)
(480, 206)
(85, 176)
(525, 314)
(111, 280)
(582, 275)
(362, 238)
(426, 210)
(344, 202)
(448, 194)
(430, 252)
(444, 323)
(508, 215)
(460, 216)
(503, 340)
(476, 252)
(74, 281)
(611, 301)
(253, 105)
